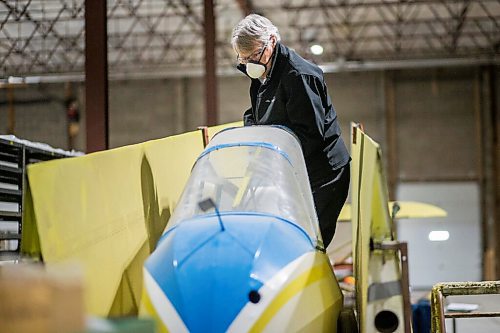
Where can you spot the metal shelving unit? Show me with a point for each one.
(14, 157)
(12, 168)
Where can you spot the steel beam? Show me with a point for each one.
(96, 75)
(491, 160)
(12, 113)
(495, 120)
(246, 6)
(391, 133)
(39, 37)
(331, 67)
(489, 175)
(210, 65)
(367, 4)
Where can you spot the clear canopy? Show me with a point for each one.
(257, 169)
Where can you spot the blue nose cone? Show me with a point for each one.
(209, 274)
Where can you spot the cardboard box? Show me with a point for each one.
(36, 299)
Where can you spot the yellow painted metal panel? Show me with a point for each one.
(30, 244)
(363, 166)
(373, 224)
(413, 210)
(89, 210)
(214, 129)
(407, 210)
(165, 168)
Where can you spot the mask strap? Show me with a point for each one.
(262, 53)
(271, 57)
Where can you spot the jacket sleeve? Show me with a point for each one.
(248, 118)
(305, 109)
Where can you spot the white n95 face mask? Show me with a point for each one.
(255, 70)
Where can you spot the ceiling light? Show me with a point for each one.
(317, 49)
(439, 235)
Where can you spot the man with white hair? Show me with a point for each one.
(287, 90)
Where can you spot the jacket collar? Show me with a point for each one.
(273, 60)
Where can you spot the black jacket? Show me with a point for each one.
(295, 95)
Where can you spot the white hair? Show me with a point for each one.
(251, 30)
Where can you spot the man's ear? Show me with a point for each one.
(274, 40)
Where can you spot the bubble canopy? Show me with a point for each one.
(251, 170)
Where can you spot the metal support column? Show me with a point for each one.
(210, 65)
(492, 162)
(391, 134)
(489, 175)
(495, 120)
(96, 75)
(12, 113)
(246, 6)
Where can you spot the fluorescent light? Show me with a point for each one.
(317, 49)
(439, 235)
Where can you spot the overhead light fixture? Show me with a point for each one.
(439, 235)
(316, 49)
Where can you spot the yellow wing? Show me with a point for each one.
(407, 210)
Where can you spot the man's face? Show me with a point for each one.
(261, 53)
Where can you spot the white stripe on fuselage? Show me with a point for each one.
(251, 312)
(164, 309)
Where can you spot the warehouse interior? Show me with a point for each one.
(421, 76)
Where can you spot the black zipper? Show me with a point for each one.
(259, 97)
